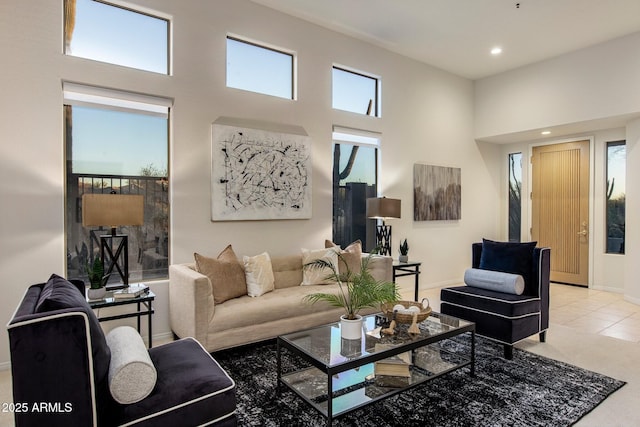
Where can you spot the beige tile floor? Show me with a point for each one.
(590, 311)
(596, 330)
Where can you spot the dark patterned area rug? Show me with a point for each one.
(529, 390)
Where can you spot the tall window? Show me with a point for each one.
(356, 92)
(117, 142)
(355, 179)
(105, 32)
(260, 69)
(515, 196)
(615, 203)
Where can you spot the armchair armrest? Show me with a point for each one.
(191, 305)
(45, 372)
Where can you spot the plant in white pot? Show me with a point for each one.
(97, 279)
(404, 251)
(357, 290)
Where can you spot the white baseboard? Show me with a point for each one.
(5, 366)
(632, 299)
(163, 337)
(442, 284)
(608, 289)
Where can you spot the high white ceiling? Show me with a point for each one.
(457, 35)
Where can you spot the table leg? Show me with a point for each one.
(329, 398)
(279, 368)
(149, 313)
(473, 353)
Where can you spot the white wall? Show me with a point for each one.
(632, 230)
(585, 89)
(590, 84)
(427, 117)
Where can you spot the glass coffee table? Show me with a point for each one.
(342, 377)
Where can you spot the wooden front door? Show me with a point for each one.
(560, 208)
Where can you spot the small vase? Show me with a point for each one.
(351, 329)
(98, 293)
(351, 348)
(403, 258)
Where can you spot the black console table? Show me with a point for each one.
(409, 268)
(144, 304)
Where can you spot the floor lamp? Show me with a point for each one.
(113, 210)
(383, 208)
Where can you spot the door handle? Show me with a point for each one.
(583, 232)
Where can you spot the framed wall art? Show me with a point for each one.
(436, 193)
(259, 174)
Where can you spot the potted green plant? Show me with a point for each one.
(357, 290)
(404, 251)
(97, 279)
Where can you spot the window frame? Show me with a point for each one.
(79, 95)
(609, 144)
(133, 8)
(377, 104)
(271, 48)
(511, 238)
(362, 138)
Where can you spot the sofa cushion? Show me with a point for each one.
(225, 273)
(313, 275)
(509, 257)
(287, 270)
(259, 274)
(277, 305)
(132, 375)
(59, 294)
(487, 301)
(350, 259)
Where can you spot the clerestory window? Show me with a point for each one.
(356, 92)
(116, 34)
(258, 68)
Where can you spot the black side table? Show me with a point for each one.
(410, 268)
(144, 304)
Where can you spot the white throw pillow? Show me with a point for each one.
(494, 281)
(132, 375)
(259, 274)
(314, 275)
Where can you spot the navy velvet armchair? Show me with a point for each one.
(60, 362)
(505, 317)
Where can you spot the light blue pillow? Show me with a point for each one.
(498, 281)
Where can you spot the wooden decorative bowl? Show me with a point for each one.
(387, 310)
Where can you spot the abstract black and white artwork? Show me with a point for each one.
(436, 193)
(259, 174)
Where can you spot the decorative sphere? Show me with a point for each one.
(399, 307)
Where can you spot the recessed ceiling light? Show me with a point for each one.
(496, 51)
(546, 132)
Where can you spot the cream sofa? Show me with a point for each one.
(248, 319)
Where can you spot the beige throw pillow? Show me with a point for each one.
(350, 258)
(318, 276)
(225, 273)
(259, 274)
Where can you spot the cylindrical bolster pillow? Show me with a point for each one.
(132, 375)
(494, 281)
